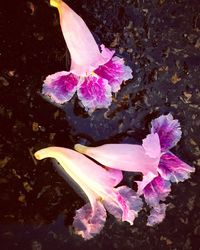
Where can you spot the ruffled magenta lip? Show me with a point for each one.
(94, 91)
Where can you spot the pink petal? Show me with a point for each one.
(168, 129)
(115, 72)
(157, 215)
(106, 53)
(89, 221)
(60, 87)
(84, 51)
(125, 157)
(151, 145)
(116, 175)
(173, 169)
(94, 92)
(123, 204)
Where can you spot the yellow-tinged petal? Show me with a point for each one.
(55, 3)
(93, 179)
(80, 148)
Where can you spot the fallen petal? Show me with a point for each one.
(60, 87)
(168, 129)
(124, 204)
(173, 169)
(151, 145)
(157, 215)
(89, 221)
(125, 157)
(147, 178)
(115, 72)
(116, 175)
(94, 92)
(79, 167)
(84, 51)
(157, 190)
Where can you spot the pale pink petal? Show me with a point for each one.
(106, 53)
(168, 129)
(60, 87)
(151, 145)
(89, 221)
(116, 175)
(125, 157)
(157, 215)
(84, 51)
(115, 72)
(94, 92)
(124, 204)
(173, 169)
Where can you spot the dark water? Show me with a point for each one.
(160, 40)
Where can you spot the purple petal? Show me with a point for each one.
(124, 204)
(157, 215)
(94, 92)
(168, 129)
(88, 222)
(157, 190)
(173, 169)
(115, 72)
(60, 87)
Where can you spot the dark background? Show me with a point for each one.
(160, 40)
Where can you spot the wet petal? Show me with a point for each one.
(60, 87)
(89, 221)
(157, 190)
(94, 92)
(168, 129)
(115, 72)
(84, 51)
(125, 157)
(173, 169)
(151, 145)
(124, 204)
(157, 215)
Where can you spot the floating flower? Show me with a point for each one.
(98, 184)
(94, 73)
(159, 166)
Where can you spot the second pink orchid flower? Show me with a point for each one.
(153, 159)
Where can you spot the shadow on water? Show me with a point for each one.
(162, 45)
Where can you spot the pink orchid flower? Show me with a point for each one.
(98, 184)
(94, 73)
(159, 166)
